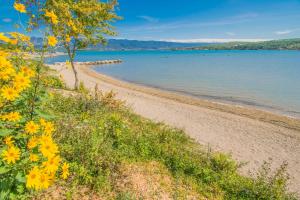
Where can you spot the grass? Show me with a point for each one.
(108, 147)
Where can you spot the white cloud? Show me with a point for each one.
(216, 40)
(285, 32)
(7, 20)
(148, 18)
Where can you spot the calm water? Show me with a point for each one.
(265, 79)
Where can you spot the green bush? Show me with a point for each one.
(96, 138)
(53, 81)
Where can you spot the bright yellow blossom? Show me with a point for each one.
(52, 16)
(12, 116)
(68, 39)
(52, 41)
(45, 181)
(33, 157)
(8, 140)
(21, 82)
(6, 69)
(65, 171)
(3, 53)
(51, 165)
(45, 139)
(48, 149)
(43, 122)
(11, 155)
(31, 127)
(20, 7)
(13, 41)
(48, 128)
(33, 178)
(20, 36)
(9, 93)
(4, 38)
(27, 71)
(33, 142)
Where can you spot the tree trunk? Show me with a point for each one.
(71, 57)
(76, 86)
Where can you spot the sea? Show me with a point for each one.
(264, 79)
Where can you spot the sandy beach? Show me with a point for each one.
(249, 135)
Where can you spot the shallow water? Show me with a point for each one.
(265, 79)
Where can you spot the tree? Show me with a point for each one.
(80, 23)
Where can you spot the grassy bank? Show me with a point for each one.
(115, 154)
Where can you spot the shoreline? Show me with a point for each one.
(241, 110)
(227, 101)
(250, 136)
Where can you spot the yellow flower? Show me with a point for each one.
(11, 155)
(4, 38)
(44, 181)
(48, 128)
(31, 127)
(20, 7)
(33, 178)
(52, 41)
(51, 165)
(33, 157)
(33, 142)
(8, 141)
(45, 139)
(52, 16)
(48, 149)
(21, 82)
(65, 171)
(12, 116)
(27, 71)
(6, 69)
(43, 122)
(9, 93)
(68, 39)
(20, 36)
(13, 41)
(3, 53)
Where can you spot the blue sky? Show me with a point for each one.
(198, 20)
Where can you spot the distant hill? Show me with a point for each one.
(286, 44)
(123, 44)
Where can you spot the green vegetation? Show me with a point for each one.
(287, 44)
(107, 146)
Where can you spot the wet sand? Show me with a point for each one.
(249, 135)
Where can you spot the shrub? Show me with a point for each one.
(97, 138)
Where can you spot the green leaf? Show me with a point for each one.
(12, 195)
(3, 170)
(20, 189)
(5, 132)
(20, 177)
(4, 194)
(44, 115)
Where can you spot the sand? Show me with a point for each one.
(248, 134)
